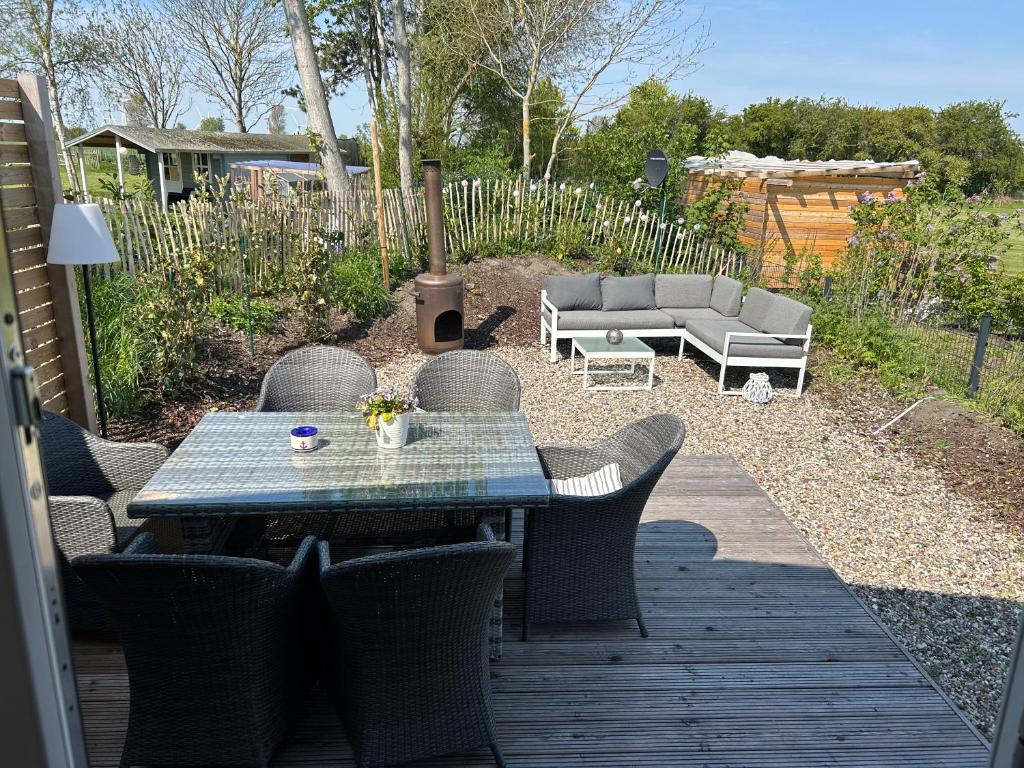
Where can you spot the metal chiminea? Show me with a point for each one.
(439, 295)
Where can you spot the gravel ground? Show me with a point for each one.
(943, 572)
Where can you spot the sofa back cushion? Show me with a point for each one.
(787, 316)
(726, 296)
(683, 291)
(622, 293)
(756, 308)
(572, 292)
(771, 313)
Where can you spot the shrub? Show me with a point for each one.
(308, 281)
(357, 285)
(230, 310)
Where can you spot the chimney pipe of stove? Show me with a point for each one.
(435, 215)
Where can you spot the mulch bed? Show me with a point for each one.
(500, 310)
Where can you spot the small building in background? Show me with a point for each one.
(283, 176)
(798, 206)
(174, 158)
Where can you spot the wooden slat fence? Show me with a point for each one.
(46, 296)
(481, 216)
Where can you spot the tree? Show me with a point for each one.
(276, 122)
(142, 59)
(642, 38)
(577, 45)
(44, 36)
(214, 124)
(321, 124)
(237, 53)
(136, 113)
(403, 67)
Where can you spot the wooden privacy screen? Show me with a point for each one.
(46, 295)
(803, 214)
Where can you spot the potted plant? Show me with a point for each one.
(386, 411)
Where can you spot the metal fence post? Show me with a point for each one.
(826, 291)
(974, 383)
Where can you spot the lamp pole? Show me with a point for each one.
(97, 379)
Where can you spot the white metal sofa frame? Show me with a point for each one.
(724, 359)
(551, 329)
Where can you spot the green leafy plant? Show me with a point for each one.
(230, 310)
(930, 251)
(384, 404)
(357, 285)
(308, 278)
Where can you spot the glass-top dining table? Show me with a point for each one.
(242, 464)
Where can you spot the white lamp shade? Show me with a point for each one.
(79, 235)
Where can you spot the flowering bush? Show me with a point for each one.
(929, 250)
(308, 280)
(384, 404)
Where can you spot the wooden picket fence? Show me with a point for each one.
(260, 237)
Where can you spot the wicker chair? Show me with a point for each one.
(91, 481)
(410, 672)
(578, 553)
(219, 651)
(467, 380)
(316, 378)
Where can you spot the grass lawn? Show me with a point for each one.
(1013, 259)
(134, 184)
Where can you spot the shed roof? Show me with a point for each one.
(746, 165)
(180, 140)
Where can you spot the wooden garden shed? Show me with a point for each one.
(798, 205)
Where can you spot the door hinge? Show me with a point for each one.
(28, 412)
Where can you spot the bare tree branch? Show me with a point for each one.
(238, 53)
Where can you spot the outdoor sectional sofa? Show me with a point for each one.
(764, 330)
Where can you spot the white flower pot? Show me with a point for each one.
(393, 434)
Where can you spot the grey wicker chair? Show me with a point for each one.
(220, 651)
(467, 380)
(409, 663)
(578, 553)
(91, 481)
(316, 378)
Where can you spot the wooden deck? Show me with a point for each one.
(759, 657)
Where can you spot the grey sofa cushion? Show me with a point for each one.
(787, 315)
(712, 333)
(756, 307)
(726, 296)
(683, 316)
(683, 291)
(626, 293)
(570, 292)
(588, 320)
(772, 313)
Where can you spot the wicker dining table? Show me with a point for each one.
(242, 464)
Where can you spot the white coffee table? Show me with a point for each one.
(598, 348)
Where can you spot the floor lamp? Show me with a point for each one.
(79, 236)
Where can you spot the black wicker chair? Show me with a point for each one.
(316, 378)
(91, 481)
(578, 553)
(410, 671)
(467, 380)
(220, 651)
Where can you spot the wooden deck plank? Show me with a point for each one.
(759, 656)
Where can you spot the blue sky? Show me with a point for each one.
(868, 51)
